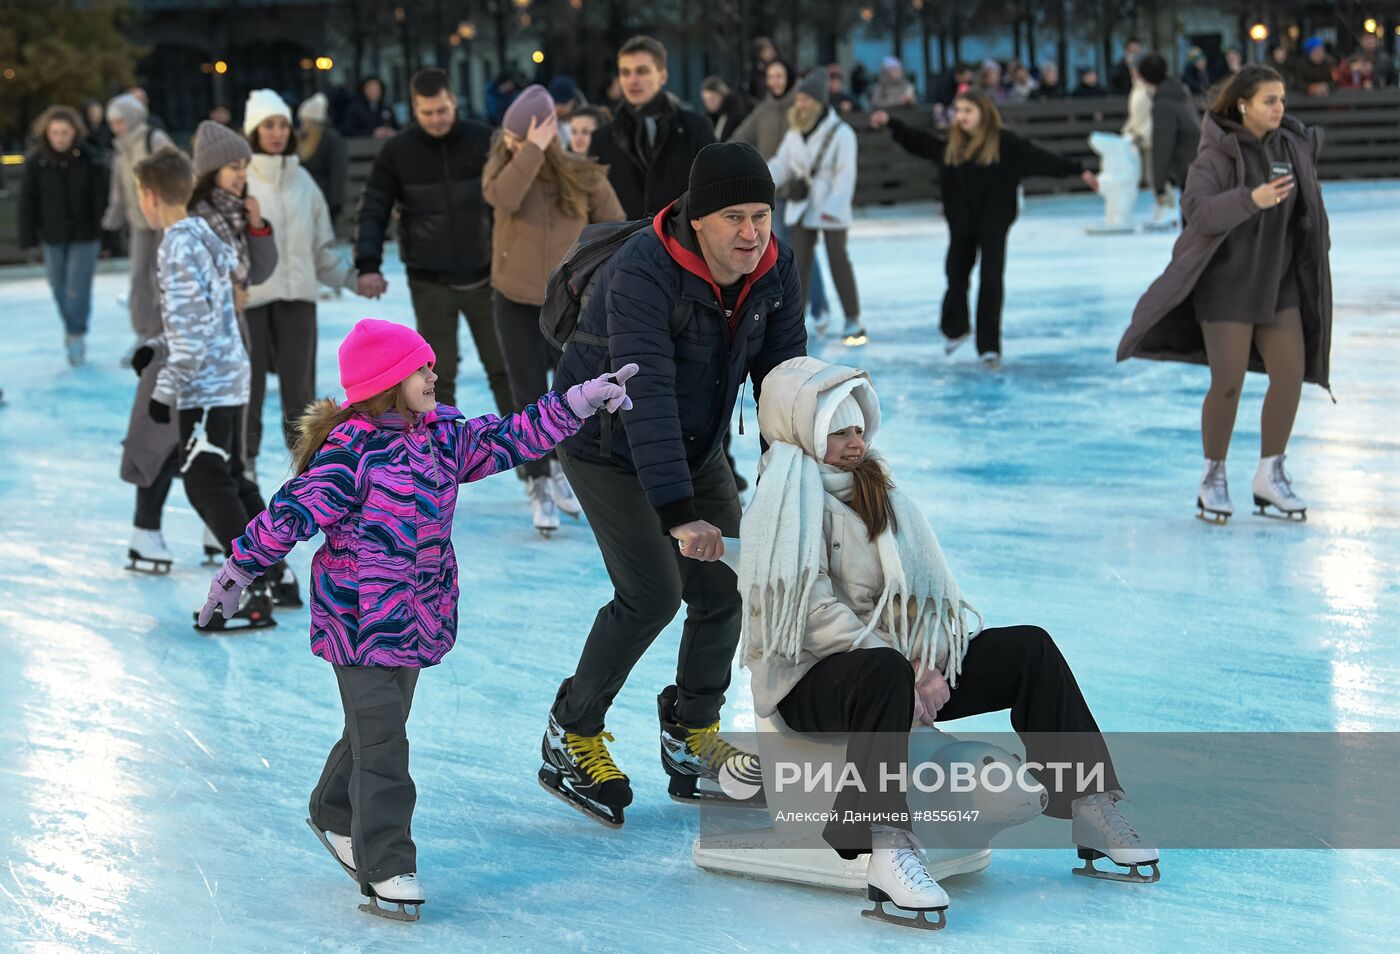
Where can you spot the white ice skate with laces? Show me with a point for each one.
(148, 553)
(403, 891)
(543, 510)
(340, 848)
(1274, 488)
(1101, 831)
(897, 873)
(562, 493)
(1213, 499)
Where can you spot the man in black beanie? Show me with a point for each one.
(701, 300)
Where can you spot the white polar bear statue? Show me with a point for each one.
(1120, 171)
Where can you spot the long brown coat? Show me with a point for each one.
(532, 234)
(1216, 200)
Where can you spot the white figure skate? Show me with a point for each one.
(340, 848)
(1101, 831)
(147, 553)
(542, 508)
(853, 335)
(991, 359)
(1213, 499)
(953, 344)
(898, 874)
(1274, 488)
(403, 891)
(562, 493)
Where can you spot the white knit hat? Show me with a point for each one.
(263, 103)
(847, 414)
(313, 109)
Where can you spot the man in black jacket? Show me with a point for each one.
(432, 171)
(649, 147)
(654, 483)
(1176, 131)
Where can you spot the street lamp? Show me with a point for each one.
(1370, 25)
(220, 67)
(537, 56)
(1259, 33)
(324, 63)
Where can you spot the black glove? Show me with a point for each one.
(160, 413)
(141, 357)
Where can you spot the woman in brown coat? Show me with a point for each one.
(1249, 286)
(543, 197)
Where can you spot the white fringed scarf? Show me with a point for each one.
(781, 559)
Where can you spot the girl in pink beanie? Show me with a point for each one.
(378, 474)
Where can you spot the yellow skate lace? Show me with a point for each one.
(592, 755)
(706, 744)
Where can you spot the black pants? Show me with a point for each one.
(650, 580)
(962, 255)
(365, 790)
(528, 359)
(216, 486)
(282, 336)
(435, 308)
(150, 500)
(871, 692)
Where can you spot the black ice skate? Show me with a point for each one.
(254, 612)
(403, 891)
(690, 755)
(286, 591)
(579, 770)
(339, 847)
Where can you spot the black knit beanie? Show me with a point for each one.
(725, 174)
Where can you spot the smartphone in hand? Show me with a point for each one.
(1277, 170)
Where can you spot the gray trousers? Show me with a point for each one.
(435, 308)
(283, 336)
(528, 360)
(804, 251)
(650, 580)
(144, 300)
(365, 789)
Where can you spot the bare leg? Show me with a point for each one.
(1227, 350)
(1281, 345)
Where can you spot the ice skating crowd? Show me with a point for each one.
(624, 276)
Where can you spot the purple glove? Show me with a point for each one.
(608, 391)
(229, 583)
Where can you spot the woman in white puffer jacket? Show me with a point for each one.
(282, 310)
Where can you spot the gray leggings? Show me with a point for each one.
(1228, 346)
(804, 251)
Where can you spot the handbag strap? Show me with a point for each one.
(821, 153)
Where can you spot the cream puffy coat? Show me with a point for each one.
(301, 224)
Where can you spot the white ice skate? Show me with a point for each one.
(147, 552)
(74, 345)
(953, 344)
(1274, 488)
(1164, 214)
(562, 493)
(1101, 831)
(213, 549)
(542, 508)
(1213, 499)
(853, 335)
(898, 874)
(403, 891)
(340, 848)
(991, 359)
(820, 323)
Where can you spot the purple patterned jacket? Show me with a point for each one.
(384, 584)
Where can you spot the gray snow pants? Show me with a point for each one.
(365, 789)
(144, 299)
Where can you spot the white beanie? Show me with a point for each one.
(128, 109)
(847, 414)
(313, 109)
(263, 103)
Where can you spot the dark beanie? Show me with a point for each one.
(817, 84)
(725, 174)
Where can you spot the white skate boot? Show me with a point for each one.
(991, 359)
(147, 553)
(1164, 214)
(340, 848)
(853, 335)
(1274, 488)
(897, 873)
(403, 890)
(562, 493)
(542, 508)
(953, 344)
(213, 549)
(1213, 499)
(1101, 831)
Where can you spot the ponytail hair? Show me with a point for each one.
(323, 416)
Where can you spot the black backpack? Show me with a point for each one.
(574, 282)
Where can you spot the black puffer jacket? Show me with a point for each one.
(684, 395)
(982, 199)
(646, 186)
(62, 197)
(1176, 134)
(444, 224)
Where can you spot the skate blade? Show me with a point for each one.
(233, 626)
(321, 836)
(287, 602)
(919, 921)
(1131, 876)
(552, 782)
(855, 341)
(156, 568)
(1287, 516)
(703, 795)
(213, 558)
(400, 912)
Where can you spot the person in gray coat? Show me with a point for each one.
(1176, 129)
(1249, 285)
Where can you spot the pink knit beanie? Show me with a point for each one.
(533, 102)
(376, 355)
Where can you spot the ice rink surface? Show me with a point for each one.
(153, 781)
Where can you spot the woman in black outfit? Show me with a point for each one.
(980, 167)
